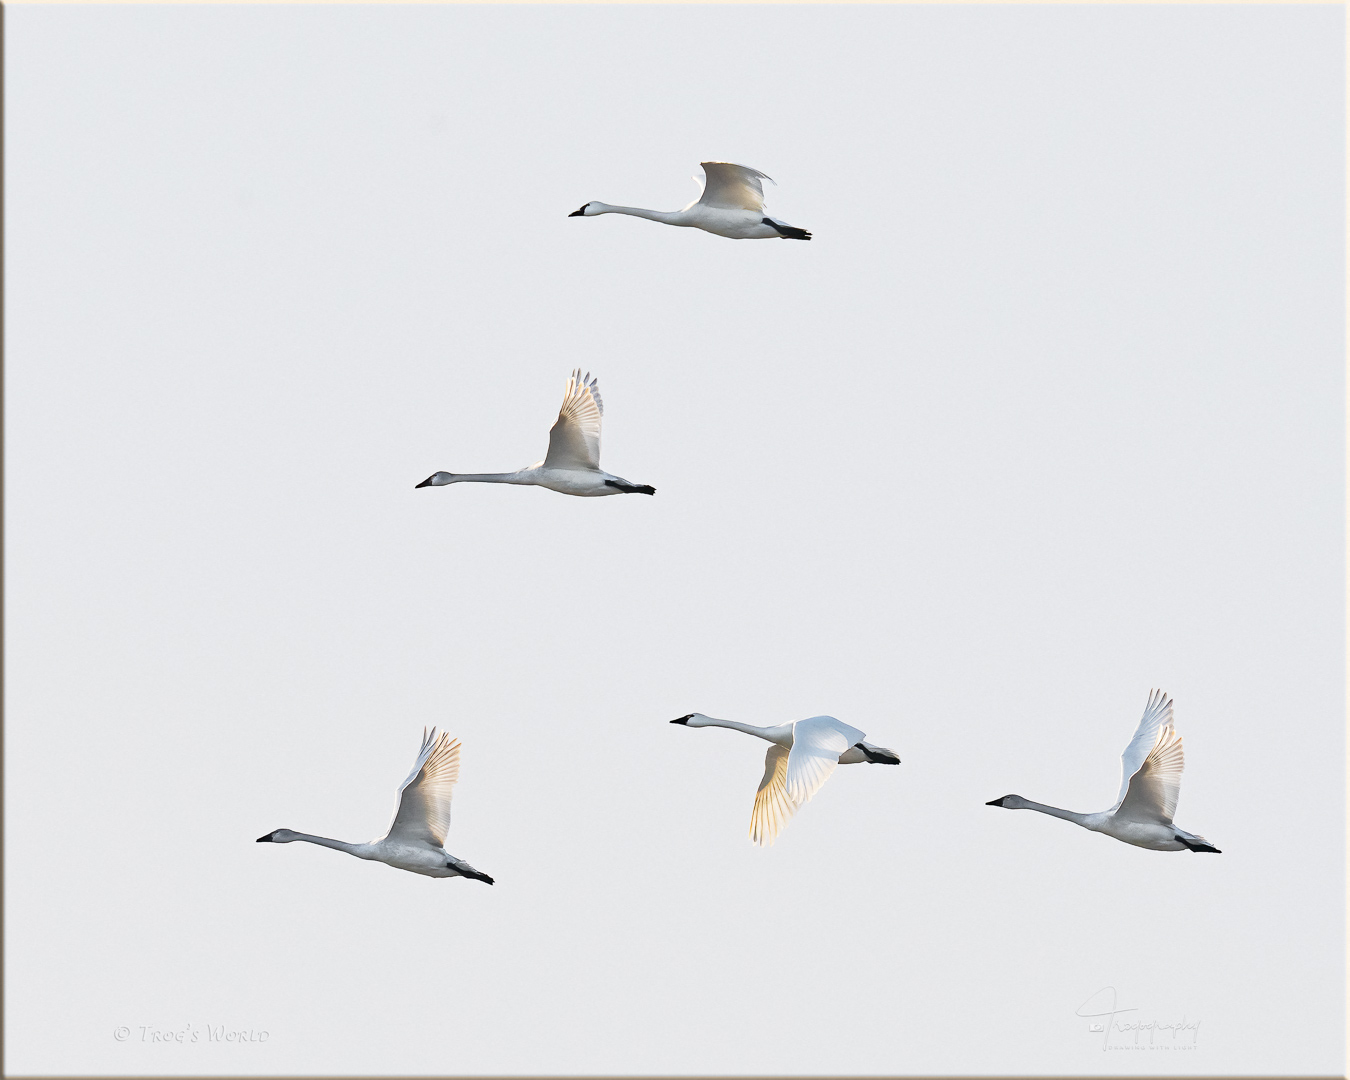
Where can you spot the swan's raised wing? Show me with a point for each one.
(816, 746)
(732, 187)
(423, 811)
(1153, 790)
(1157, 715)
(773, 809)
(574, 439)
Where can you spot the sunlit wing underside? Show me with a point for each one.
(574, 439)
(732, 187)
(773, 809)
(1153, 790)
(423, 812)
(1157, 715)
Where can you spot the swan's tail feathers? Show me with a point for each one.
(1198, 843)
(787, 232)
(878, 755)
(631, 489)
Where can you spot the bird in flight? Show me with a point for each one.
(416, 837)
(1150, 783)
(572, 465)
(732, 204)
(801, 757)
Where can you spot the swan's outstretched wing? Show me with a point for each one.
(733, 187)
(1157, 715)
(1153, 792)
(423, 811)
(773, 809)
(574, 439)
(816, 746)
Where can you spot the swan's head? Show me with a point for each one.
(1009, 802)
(579, 213)
(694, 719)
(280, 836)
(439, 479)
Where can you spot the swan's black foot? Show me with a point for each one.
(1202, 846)
(787, 232)
(632, 489)
(877, 757)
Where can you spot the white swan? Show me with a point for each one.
(732, 204)
(421, 819)
(1150, 782)
(573, 462)
(801, 758)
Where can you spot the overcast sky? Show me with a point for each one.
(1049, 413)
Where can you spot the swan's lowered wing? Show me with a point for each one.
(1157, 715)
(423, 811)
(816, 746)
(574, 439)
(1153, 790)
(733, 187)
(773, 809)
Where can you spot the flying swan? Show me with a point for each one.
(573, 462)
(800, 759)
(416, 836)
(732, 204)
(1150, 782)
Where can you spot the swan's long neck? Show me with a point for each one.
(1055, 811)
(668, 217)
(782, 734)
(488, 478)
(361, 851)
(440, 479)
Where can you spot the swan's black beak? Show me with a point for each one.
(264, 839)
(682, 719)
(996, 802)
(426, 482)
(579, 213)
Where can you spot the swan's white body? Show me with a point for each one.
(801, 759)
(572, 465)
(416, 837)
(1150, 784)
(732, 204)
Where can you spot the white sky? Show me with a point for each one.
(1049, 413)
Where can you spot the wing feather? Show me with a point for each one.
(732, 187)
(1153, 790)
(423, 811)
(1157, 715)
(816, 746)
(773, 808)
(574, 439)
